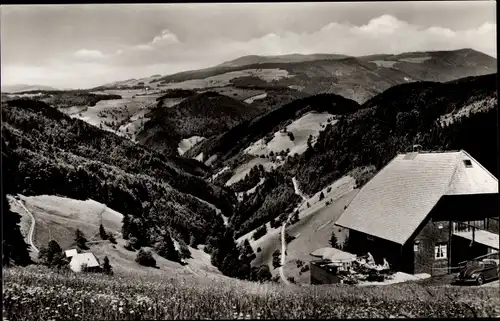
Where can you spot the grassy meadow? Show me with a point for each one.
(35, 293)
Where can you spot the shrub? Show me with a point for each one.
(321, 196)
(184, 253)
(334, 241)
(80, 240)
(132, 244)
(106, 267)
(102, 232)
(111, 238)
(264, 273)
(305, 268)
(259, 250)
(145, 258)
(166, 248)
(260, 232)
(291, 136)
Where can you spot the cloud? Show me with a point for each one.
(166, 38)
(88, 54)
(164, 53)
(383, 34)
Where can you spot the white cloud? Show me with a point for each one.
(166, 38)
(384, 34)
(166, 54)
(144, 47)
(88, 54)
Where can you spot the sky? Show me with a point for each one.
(82, 46)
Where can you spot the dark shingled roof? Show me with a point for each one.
(396, 201)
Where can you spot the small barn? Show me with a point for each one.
(88, 260)
(425, 212)
(328, 263)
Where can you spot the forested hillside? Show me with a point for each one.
(204, 114)
(52, 153)
(372, 134)
(361, 78)
(231, 142)
(400, 117)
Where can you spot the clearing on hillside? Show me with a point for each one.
(295, 137)
(58, 218)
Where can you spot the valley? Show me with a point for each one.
(236, 167)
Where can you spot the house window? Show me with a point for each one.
(415, 247)
(467, 163)
(369, 238)
(440, 251)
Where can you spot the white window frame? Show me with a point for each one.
(415, 247)
(441, 251)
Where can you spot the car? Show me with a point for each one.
(479, 272)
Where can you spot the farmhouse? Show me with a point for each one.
(425, 212)
(84, 259)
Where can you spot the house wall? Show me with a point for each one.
(360, 244)
(320, 276)
(427, 238)
(461, 208)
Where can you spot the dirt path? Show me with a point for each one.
(283, 252)
(283, 230)
(32, 227)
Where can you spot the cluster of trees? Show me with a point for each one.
(15, 251)
(274, 197)
(251, 179)
(106, 235)
(65, 99)
(14, 248)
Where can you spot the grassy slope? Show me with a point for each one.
(313, 229)
(196, 297)
(58, 218)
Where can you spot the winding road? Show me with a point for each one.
(32, 227)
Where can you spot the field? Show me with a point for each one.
(58, 218)
(123, 116)
(312, 231)
(187, 143)
(242, 170)
(225, 79)
(35, 293)
(308, 125)
(238, 93)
